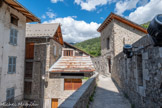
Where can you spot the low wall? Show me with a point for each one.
(80, 98)
(140, 77)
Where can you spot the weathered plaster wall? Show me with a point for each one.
(11, 80)
(127, 75)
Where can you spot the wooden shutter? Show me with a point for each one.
(15, 37)
(72, 84)
(54, 103)
(29, 50)
(77, 83)
(67, 84)
(14, 64)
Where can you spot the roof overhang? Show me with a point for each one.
(16, 5)
(121, 19)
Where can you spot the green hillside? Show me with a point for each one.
(91, 46)
(145, 25)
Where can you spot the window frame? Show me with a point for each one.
(12, 65)
(13, 37)
(108, 43)
(11, 94)
(14, 18)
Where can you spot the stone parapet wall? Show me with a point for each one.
(140, 77)
(80, 98)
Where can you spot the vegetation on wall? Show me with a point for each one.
(145, 25)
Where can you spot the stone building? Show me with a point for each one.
(140, 77)
(13, 19)
(115, 32)
(43, 48)
(67, 75)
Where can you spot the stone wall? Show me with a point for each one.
(55, 88)
(80, 98)
(119, 34)
(140, 77)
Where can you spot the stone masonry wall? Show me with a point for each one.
(140, 77)
(119, 34)
(80, 98)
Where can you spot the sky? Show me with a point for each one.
(80, 19)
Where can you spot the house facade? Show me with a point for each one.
(115, 33)
(67, 75)
(43, 48)
(13, 19)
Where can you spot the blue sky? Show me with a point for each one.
(81, 18)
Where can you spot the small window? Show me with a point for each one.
(68, 52)
(10, 94)
(12, 65)
(13, 36)
(108, 43)
(28, 88)
(55, 49)
(14, 19)
(60, 51)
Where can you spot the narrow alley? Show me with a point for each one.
(108, 96)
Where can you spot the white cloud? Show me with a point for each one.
(146, 13)
(55, 1)
(123, 5)
(50, 14)
(90, 5)
(43, 16)
(76, 31)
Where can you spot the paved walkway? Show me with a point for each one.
(108, 96)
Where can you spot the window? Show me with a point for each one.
(28, 88)
(29, 50)
(68, 52)
(14, 19)
(139, 69)
(10, 94)
(12, 65)
(72, 74)
(108, 43)
(72, 84)
(28, 69)
(13, 36)
(60, 51)
(55, 49)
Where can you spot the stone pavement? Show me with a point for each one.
(108, 96)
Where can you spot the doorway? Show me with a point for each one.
(54, 103)
(109, 64)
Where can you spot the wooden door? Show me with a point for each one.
(54, 103)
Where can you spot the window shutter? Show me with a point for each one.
(14, 65)
(7, 94)
(54, 50)
(12, 92)
(15, 37)
(11, 35)
(10, 65)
